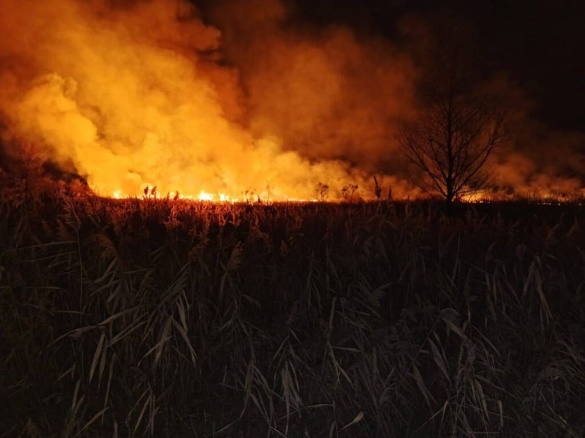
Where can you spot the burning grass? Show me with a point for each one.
(176, 318)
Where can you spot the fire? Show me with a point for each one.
(121, 97)
(204, 196)
(139, 94)
(151, 193)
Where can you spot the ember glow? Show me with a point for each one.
(134, 95)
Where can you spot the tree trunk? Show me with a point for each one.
(450, 192)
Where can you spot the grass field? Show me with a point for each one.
(185, 319)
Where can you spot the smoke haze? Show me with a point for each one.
(143, 93)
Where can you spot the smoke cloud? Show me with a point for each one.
(148, 93)
(133, 94)
(326, 92)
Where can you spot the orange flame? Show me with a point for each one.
(121, 96)
(136, 94)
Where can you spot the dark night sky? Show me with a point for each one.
(540, 45)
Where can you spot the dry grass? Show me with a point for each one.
(170, 318)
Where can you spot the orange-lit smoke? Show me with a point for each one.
(536, 161)
(140, 93)
(134, 96)
(327, 92)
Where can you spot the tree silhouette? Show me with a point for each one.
(451, 141)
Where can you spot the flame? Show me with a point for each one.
(140, 94)
(121, 96)
(204, 196)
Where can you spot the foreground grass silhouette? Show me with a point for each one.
(173, 318)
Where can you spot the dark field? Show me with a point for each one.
(184, 319)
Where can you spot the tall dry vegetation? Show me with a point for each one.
(170, 318)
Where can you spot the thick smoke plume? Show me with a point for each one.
(142, 93)
(134, 95)
(326, 91)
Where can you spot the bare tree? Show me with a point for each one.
(451, 141)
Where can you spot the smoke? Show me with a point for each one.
(135, 94)
(536, 160)
(142, 93)
(326, 92)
